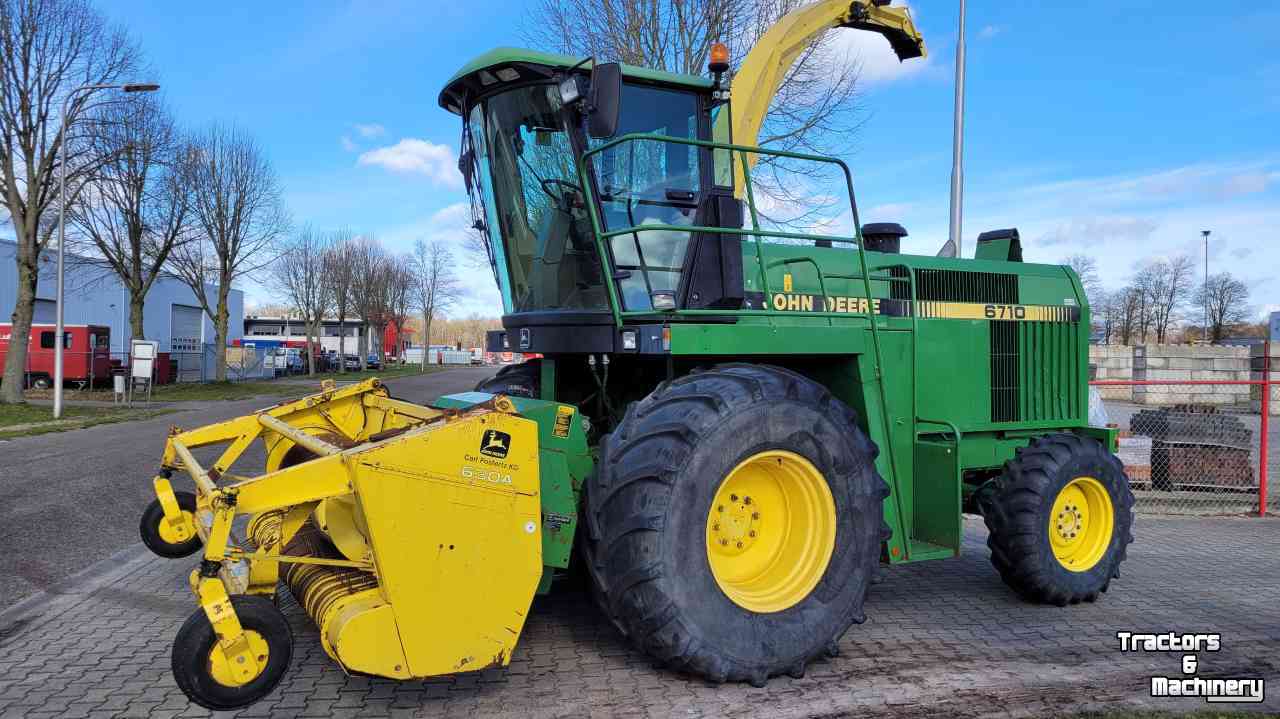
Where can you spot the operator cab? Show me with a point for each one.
(525, 133)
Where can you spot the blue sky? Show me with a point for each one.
(1114, 129)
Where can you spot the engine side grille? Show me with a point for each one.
(959, 286)
(1050, 373)
(1005, 355)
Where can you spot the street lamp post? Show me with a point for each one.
(62, 233)
(957, 146)
(1205, 233)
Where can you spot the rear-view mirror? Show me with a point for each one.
(605, 100)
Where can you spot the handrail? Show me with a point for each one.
(822, 283)
(602, 234)
(585, 177)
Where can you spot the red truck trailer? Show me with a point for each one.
(86, 353)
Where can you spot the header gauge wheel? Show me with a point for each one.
(734, 522)
(200, 667)
(159, 536)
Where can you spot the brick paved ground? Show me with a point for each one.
(942, 639)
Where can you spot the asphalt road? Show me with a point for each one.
(70, 499)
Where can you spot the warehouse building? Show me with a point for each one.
(94, 296)
(272, 331)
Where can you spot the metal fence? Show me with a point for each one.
(243, 363)
(1196, 446)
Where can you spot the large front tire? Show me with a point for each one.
(1060, 519)
(734, 522)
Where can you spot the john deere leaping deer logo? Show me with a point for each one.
(495, 443)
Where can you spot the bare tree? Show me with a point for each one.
(339, 276)
(1149, 284)
(435, 286)
(47, 49)
(1228, 300)
(1161, 286)
(1129, 304)
(1086, 268)
(299, 272)
(239, 217)
(399, 297)
(368, 270)
(1106, 309)
(138, 209)
(812, 112)
(1167, 283)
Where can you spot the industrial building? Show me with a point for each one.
(271, 331)
(95, 296)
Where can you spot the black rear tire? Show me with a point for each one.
(149, 529)
(196, 639)
(1018, 510)
(647, 520)
(515, 380)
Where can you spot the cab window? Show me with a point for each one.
(650, 182)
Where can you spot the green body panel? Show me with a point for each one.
(564, 461)
(504, 56)
(952, 364)
(937, 495)
(994, 250)
(940, 369)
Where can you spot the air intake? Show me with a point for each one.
(957, 286)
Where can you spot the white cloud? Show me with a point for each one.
(370, 130)
(451, 225)
(1098, 230)
(888, 212)
(347, 144)
(1247, 183)
(875, 59)
(417, 157)
(1122, 219)
(1196, 181)
(989, 31)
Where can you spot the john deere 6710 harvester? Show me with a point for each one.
(730, 429)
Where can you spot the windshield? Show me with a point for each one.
(526, 188)
(539, 228)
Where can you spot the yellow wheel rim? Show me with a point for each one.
(771, 531)
(220, 669)
(1081, 524)
(170, 535)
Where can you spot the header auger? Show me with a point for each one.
(733, 426)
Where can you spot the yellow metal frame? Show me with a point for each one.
(762, 72)
(178, 526)
(369, 467)
(356, 413)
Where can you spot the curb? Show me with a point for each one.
(70, 590)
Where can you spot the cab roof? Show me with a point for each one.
(480, 75)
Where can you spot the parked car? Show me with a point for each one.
(351, 362)
(373, 362)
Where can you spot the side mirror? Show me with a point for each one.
(605, 100)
